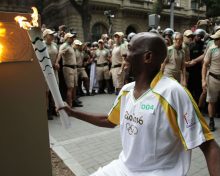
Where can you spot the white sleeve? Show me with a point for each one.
(191, 125)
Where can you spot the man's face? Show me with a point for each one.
(117, 39)
(70, 40)
(80, 47)
(105, 39)
(101, 45)
(49, 38)
(134, 58)
(178, 41)
(198, 38)
(217, 42)
(188, 39)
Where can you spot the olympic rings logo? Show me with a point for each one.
(132, 130)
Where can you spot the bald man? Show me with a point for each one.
(159, 121)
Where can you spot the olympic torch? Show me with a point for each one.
(35, 35)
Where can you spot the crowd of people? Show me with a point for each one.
(193, 59)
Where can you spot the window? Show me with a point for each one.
(97, 30)
(194, 4)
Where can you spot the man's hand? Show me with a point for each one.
(204, 85)
(190, 63)
(100, 120)
(120, 72)
(66, 108)
(57, 66)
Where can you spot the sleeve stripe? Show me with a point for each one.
(172, 118)
(114, 114)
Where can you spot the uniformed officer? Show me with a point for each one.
(52, 50)
(196, 50)
(68, 55)
(174, 64)
(211, 77)
(81, 72)
(102, 56)
(117, 71)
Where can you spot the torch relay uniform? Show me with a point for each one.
(158, 130)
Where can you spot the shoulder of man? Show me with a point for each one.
(54, 44)
(212, 48)
(106, 50)
(128, 87)
(169, 50)
(64, 46)
(170, 47)
(170, 89)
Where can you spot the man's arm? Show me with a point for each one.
(211, 151)
(164, 64)
(204, 73)
(199, 59)
(95, 119)
(183, 73)
(62, 51)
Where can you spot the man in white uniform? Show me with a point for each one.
(159, 120)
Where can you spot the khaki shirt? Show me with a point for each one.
(102, 56)
(210, 44)
(186, 51)
(79, 57)
(69, 56)
(52, 51)
(175, 60)
(118, 52)
(213, 57)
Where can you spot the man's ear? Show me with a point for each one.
(148, 57)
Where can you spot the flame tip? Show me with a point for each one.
(28, 25)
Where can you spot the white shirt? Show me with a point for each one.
(157, 127)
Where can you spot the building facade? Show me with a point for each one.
(129, 15)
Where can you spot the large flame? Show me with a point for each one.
(28, 25)
(2, 34)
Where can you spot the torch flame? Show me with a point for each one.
(2, 30)
(28, 25)
(34, 16)
(2, 34)
(1, 51)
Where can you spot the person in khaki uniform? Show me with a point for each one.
(211, 78)
(187, 39)
(117, 71)
(68, 55)
(81, 72)
(52, 50)
(102, 70)
(174, 64)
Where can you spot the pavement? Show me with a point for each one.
(84, 147)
